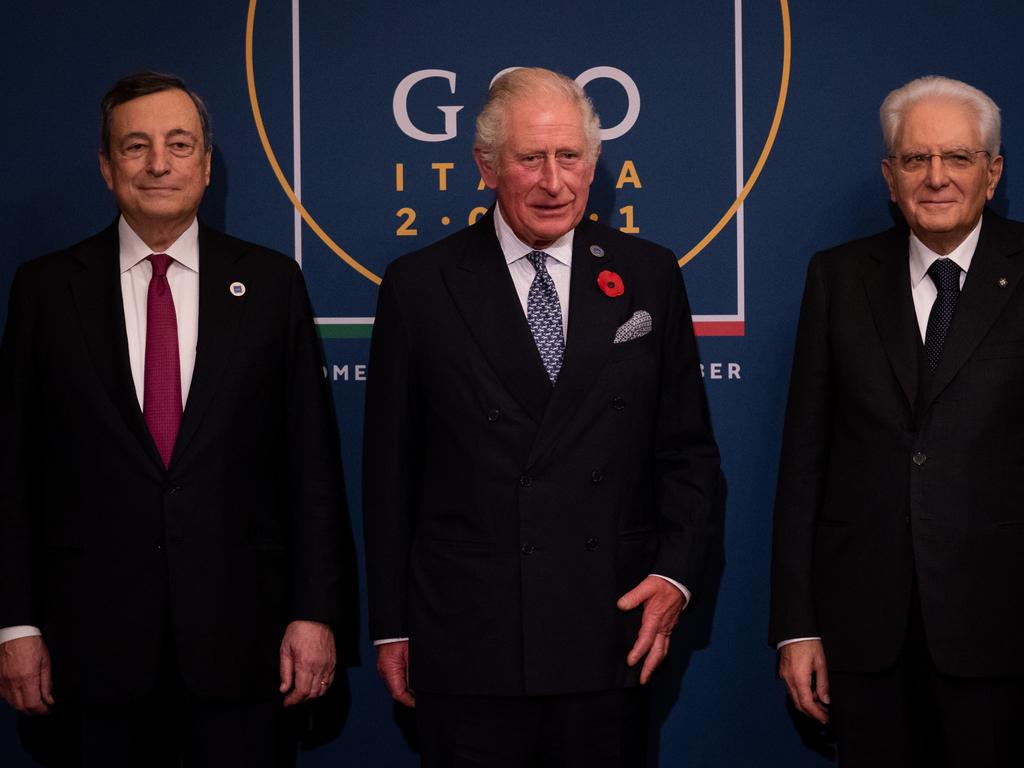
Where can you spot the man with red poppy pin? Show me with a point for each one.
(541, 478)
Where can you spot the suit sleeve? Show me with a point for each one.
(803, 466)
(391, 465)
(686, 460)
(322, 554)
(16, 412)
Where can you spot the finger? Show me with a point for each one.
(303, 684)
(46, 682)
(31, 701)
(657, 654)
(821, 683)
(644, 639)
(287, 668)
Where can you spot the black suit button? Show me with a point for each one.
(906, 519)
(158, 545)
(920, 458)
(596, 476)
(527, 549)
(526, 481)
(591, 543)
(493, 414)
(618, 403)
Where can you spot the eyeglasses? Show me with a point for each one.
(952, 160)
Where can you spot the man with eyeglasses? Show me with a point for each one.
(898, 563)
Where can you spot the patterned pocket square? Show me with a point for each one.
(638, 325)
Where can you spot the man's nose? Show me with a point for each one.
(937, 176)
(157, 161)
(551, 175)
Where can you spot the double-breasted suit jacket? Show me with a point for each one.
(889, 475)
(111, 554)
(504, 516)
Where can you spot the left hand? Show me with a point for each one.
(308, 659)
(662, 604)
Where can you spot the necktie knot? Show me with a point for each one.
(945, 273)
(539, 260)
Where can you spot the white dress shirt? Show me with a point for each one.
(924, 293)
(183, 278)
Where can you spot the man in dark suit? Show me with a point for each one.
(540, 472)
(169, 575)
(898, 564)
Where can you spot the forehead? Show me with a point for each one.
(544, 119)
(936, 123)
(156, 113)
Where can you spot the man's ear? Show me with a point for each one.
(487, 172)
(105, 169)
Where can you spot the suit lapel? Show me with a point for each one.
(220, 315)
(481, 287)
(96, 292)
(593, 318)
(996, 259)
(887, 283)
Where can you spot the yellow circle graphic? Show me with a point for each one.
(780, 106)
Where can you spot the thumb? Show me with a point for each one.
(287, 669)
(631, 599)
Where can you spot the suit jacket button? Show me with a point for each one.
(596, 476)
(158, 545)
(591, 543)
(526, 481)
(527, 549)
(920, 458)
(618, 403)
(493, 414)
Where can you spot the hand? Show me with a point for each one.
(25, 676)
(662, 604)
(307, 661)
(802, 668)
(393, 668)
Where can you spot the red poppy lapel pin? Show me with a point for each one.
(610, 284)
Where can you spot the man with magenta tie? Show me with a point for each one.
(172, 511)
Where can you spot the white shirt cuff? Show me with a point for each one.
(386, 640)
(795, 640)
(677, 585)
(14, 633)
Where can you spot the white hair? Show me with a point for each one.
(896, 104)
(524, 83)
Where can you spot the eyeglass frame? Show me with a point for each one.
(943, 156)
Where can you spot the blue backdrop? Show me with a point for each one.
(743, 134)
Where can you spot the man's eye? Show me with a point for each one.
(134, 149)
(181, 148)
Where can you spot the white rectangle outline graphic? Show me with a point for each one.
(740, 315)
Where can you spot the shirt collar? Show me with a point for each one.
(922, 257)
(515, 249)
(184, 250)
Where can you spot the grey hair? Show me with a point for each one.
(140, 84)
(896, 104)
(523, 83)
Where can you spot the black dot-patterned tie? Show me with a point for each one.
(544, 314)
(946, 276)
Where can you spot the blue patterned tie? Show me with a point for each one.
(544, 314)
(946, 276)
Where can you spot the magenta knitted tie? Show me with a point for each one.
(161, 398)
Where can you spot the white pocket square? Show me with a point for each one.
(638, 325)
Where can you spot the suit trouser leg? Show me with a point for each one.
(913, 715)
(605, 729)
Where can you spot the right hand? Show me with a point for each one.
(25, 676)
(802, 668)
(393, 667)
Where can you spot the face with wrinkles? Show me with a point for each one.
(543, 171)
(157, 165)
(941, 202)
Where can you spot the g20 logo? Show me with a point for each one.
(400, 106)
